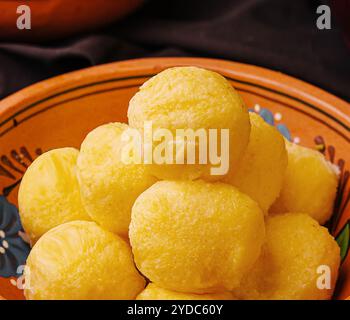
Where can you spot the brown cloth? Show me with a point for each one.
(276, 34)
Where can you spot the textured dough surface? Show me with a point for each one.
(80, 260)
(49, 193)
(191, 97)
(194, 236)
(296, 245)
(109, 186)
(309, 186)
(261, 170)
(153, 292)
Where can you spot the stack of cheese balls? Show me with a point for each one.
(104, 229)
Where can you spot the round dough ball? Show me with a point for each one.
(310, 184)
(195, 236)
(109, 186)
(153, 292)
(192, 98)
(261, 170)
(296, 246)
(79, 260)
(49, 193)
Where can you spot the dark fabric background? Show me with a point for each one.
(277, 34)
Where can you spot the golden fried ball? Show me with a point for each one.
(309, 186)
(195, 236)
(49, 193)
(296, 246)
(195, 98)
(153, 292)
(261, 170)
(79, 260)
(109, 185)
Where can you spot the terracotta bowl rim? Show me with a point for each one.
(278, 80)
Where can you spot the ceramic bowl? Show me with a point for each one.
(59, 112)
(53, 19)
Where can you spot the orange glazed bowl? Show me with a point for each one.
(59, 112)
(52, 19)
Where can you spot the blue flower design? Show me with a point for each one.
(13, 249)
(268, 116)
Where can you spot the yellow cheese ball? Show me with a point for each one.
(49, 193)
(288, 268)
(191, 98)
(109, 186)
(195, 236)
(153, 292)
(309, 186)
(261, 170)
(79, 260)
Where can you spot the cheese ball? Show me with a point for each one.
(195, 236)
(261, 170)
(153, 292)
(79, 260)
(288, 268)
(192, 98)
(310, 184)
(49, 193)
(109, 185)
